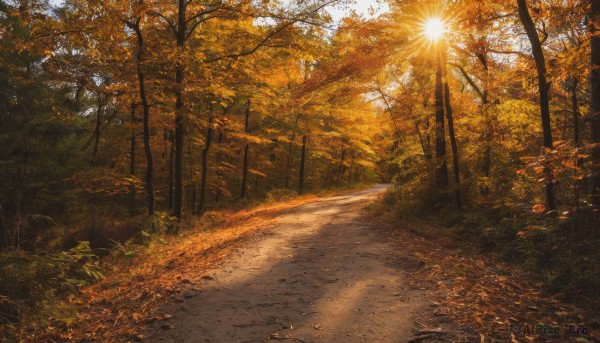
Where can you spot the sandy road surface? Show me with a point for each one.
(321, 274)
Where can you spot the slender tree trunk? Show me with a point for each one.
(246, 149)
(544, 89)
(302, 164)
(487, 153)
(140, 58)
(171, 167)
(453, 143)
(575, 109)
(440, 131)
(190, 161)
(428, 153)
(342, 168)
(289, 156)
(207, 144)
(97, 130)
(487, 136)
(595, 101)
(218, 160)
(418, 129)
(179, 109)
(351, 166)
(132, 160)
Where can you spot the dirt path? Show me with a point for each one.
(322, 274)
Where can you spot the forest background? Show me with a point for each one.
(124, 121)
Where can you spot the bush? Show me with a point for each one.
(30, 282)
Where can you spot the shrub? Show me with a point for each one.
(30, 282)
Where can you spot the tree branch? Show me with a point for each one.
(273, 33)
(171, 25)
(470, 81)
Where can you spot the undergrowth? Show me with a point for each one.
(35, 285)
(558, 250)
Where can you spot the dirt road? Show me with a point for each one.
(321, 274)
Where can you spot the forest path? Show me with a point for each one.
(322, 273)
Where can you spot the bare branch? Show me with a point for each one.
(193, 27)
(469, 80)
(273, 34)
(171, 25)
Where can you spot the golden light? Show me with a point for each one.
(434, 28)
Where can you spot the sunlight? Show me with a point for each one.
(434, 28)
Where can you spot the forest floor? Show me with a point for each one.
(319, 270)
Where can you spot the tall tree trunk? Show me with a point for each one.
(418, 129)
(302, 164)
(453, 144)
(487, 135)
(544, 89)
(575, 108)
(595, 100)
(190, 161)
(97, 130)
(132, 160)
(207, 144)
(179, 109)
(440, 131)
(171, 167)
(428, 153)
(218, 158)
(140, 58)
(342, 168)
(573, 83)
(246, 148)
(288, 163)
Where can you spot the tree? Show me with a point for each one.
(141, 57)
(595, 97)
(544, 89)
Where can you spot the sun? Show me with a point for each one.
(434, 28)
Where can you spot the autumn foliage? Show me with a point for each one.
(122, 120)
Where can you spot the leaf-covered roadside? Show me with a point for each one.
(477, 297)
(118, 308)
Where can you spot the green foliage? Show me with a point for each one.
(31, 283)
(161, 222)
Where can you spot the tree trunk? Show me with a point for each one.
(171, 165)
(440, 131)
(132, 160)
(302, 163)
(179, 109)
(207, 144)
(595, 101)
(451, 133)
(342, 168)
(140, 58)
(289, 156)
(97, 130)
(190, 163)
(246, 148)
(544, 89)
(218, 160)
(453, 145)
(575, 109)
(418, 129)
